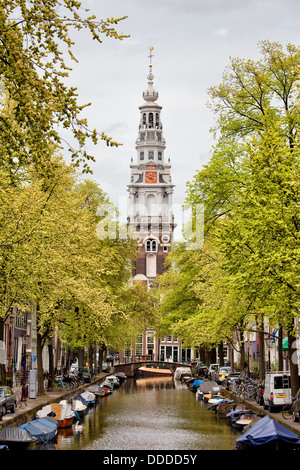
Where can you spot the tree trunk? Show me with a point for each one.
(221, 354)
(80, 358)
(51, 365)
(261, 352)
(280, 355)
(40, 371)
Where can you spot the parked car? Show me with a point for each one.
(221, 375)
(8, 400)
(232, 377)
(201, 370)
(212, 368)
(277, 391)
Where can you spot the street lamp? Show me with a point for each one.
(269, 342)
(24, 386)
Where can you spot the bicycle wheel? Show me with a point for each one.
(287, 412)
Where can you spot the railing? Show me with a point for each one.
(148, 358)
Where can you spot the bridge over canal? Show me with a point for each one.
(130, 369)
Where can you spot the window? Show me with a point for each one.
(139, 345)
(151, 155)
(150, 120)
(151, 245)
(159, 156)
(141, 155)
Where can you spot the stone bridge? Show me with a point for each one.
(131, 368)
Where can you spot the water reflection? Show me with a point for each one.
(149, 414)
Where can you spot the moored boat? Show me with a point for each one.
(78, 406)
(89, 398)
(43, 429)
(268, 434)
(154, 370)
(97, 390)
(62, 412)
(15, 438)
(121, 376)
(113, 380)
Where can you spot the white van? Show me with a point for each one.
(277, 390)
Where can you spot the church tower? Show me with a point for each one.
(150, 215)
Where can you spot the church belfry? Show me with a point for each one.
(150, 215)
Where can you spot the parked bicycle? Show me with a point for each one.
(292, 410)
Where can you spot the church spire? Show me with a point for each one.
(150, 94)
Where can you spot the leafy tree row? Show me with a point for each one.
(248, 268)
(56, 255)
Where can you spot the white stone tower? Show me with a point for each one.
(150, 215)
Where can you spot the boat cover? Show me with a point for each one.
(14, 435)
(267, 430)
(197, 383)
(208, 386)
(44, 429)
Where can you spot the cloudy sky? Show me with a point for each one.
(193, 41)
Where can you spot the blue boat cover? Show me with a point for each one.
(44, 429)
(267, 430)
(197, 383)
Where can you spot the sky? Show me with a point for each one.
(193, 42)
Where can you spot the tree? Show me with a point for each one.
(33, 68)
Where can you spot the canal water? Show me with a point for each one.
(149, 414)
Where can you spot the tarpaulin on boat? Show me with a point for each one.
(44, 429)
(265, 431)
(197, 383)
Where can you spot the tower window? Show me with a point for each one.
(141, 155)
(150, 245)
(159, 156)
(151, 155)
(156, 120)
(150, 120)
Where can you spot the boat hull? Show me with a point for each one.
(146, 370)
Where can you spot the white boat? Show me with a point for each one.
(62, 412)
(113, 380)
(182, 372)
(89, 397)
(79, 408)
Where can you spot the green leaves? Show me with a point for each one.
(34, 35)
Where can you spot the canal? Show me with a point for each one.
(149, 414)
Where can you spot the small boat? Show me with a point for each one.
(195, 385)
(107, 386)
(113, 380)
(154, 370)
(222, 409)
(241, 418)
(206, 389)
(78, 406)
(44, 429)
(268, 434)
(97, 391)
(216, 399)
(16, 438)
(88, 398)
(182, 373)
(62, 412)
(243, 421)
(121, 376)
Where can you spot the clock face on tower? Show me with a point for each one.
(151, 177)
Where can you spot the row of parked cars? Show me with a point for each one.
(222, 375)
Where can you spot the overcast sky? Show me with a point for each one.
(193, 41)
